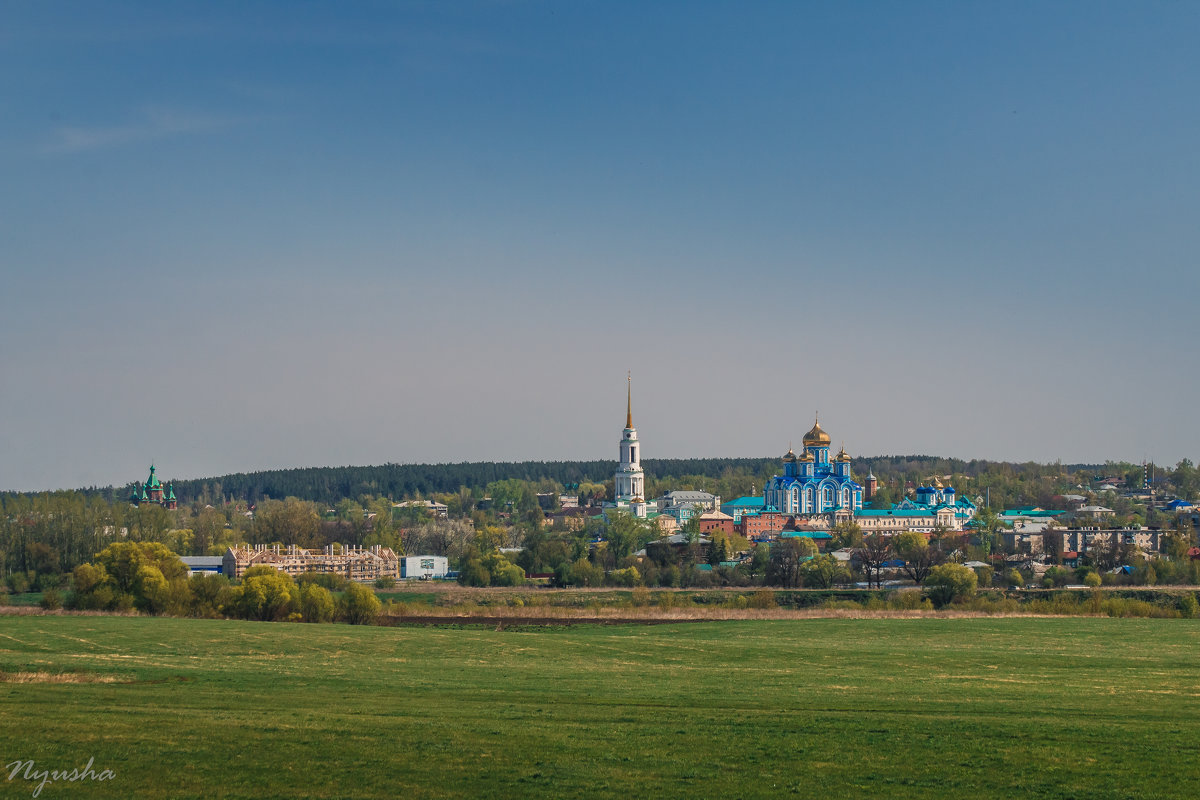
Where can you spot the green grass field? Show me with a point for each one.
(1015, 708)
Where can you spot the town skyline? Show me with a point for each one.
(241, 238)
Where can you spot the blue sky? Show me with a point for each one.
(237, 236)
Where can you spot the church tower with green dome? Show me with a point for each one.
(153, 491)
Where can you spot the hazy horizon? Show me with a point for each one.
(244, 236)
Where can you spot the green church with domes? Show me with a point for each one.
(153, 491)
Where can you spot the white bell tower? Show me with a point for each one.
(629, 480)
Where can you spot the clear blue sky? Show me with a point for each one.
(247, 235)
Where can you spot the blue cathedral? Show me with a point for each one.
(814, 483)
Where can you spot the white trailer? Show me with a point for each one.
(423, 567)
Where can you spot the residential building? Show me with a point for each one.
(716, 521)
(1095, 512)
(683, 504)
(350, 561)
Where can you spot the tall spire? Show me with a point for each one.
(629, 400)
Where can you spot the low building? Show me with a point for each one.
(819, 538)
(716, 521)
(765, 524)
(743, 505)
(203, 565)
(434, 509)
(907, 516)
(423, 567)
(1014, 516)
(350, 561)
(573, 519)
(1147, 540)
(1095, 512)
(683, 504)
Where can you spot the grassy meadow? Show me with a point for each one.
(974, 707)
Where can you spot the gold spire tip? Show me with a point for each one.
(629, 399)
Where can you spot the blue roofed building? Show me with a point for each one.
(935, 506)
(743, 505)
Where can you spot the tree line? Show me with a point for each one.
(1009, 483)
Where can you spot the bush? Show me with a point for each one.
(210, 593)
(505, 573)
(948, 583)
(641, 596)
(907, 600)
(668, 576)
(51, 600)
(584, 573)
(358, 605)
(763, 598)
(316, 603)
(473, 573)
(1092, 580)
(625, 577)
(385, 583)
(329, 580)
(1188, 606)
(265, 594)
(1014, 578)
(18, 582)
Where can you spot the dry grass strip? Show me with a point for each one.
(61, 677)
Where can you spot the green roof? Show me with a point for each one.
(887, 512)
(1029, 512)
(748, 501)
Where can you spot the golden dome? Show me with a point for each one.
(808, 457)
(843, 455)
(816, 437)
(789, 456)
(937, 482)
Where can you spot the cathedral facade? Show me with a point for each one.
(814, 483)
